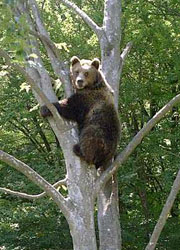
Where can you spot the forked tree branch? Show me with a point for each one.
(164, 214)
(59, 67)
(97, 30)
(62, 203)
(123, 156)
(57, 117)
(31, 196)
(35, 66)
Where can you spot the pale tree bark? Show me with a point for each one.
(82, 182)
(108, 216)
(33, 196)
(64, 204)
(112, 63)
(164, 214)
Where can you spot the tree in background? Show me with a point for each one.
(28, 48)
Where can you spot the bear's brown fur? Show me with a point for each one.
(92, 107)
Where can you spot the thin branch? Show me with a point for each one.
(35, 66)
(27, 133)
(43, 3)
(26, 75)
(29, 196)
(62, 203)
(126, 51)
(164, 214)
(123, 156)
(58, 119)
(59, 67)
(98, 30)
(46, 40)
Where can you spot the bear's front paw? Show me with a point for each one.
(45, 112)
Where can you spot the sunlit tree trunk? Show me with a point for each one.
(108, 212)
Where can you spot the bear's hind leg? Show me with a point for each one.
(93, 150)
(92, 147)
(81, 152)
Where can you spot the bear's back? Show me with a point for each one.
(102, 113)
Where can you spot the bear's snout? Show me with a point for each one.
(80, 83)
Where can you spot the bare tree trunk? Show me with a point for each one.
(108, 216)
(83, 234)
(108, 202)
(81, 223)
(80, 183)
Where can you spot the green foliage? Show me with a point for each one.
(32, 226)
(66, 28)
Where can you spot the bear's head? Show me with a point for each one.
(85, 74)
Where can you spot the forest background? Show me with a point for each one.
(150, 78)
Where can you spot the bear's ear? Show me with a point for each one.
(75, 60)
(95, 63)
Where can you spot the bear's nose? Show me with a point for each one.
(80, 83)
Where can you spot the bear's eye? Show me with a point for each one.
(76, 72)
(86, 74)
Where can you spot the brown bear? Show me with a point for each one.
(92, 107)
